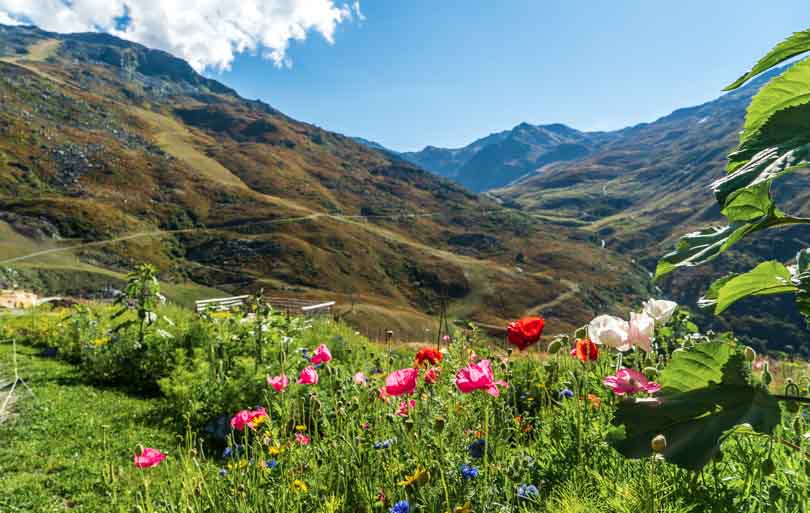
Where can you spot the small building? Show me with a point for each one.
(17, 299)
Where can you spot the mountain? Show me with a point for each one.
(501, 158)
(102, 139)
(647, 185)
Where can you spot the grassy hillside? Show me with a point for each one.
(104, 139)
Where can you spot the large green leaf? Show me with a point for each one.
(702, 246)
(795, 45)
(765, 279)
(706, 391)
(749, 204)
(790, 89)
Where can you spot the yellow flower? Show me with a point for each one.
(418, 477)
(101, 342)
(300, 427)
(258, 421)
(238, 465)
(299, 486)
(275, 451)
(466, 508)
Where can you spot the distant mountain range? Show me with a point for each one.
(637, 189)
(104, 139)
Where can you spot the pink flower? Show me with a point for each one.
(478, 376)
(301, 439)
(148, 458)
(321, 355)
(446, 338)
(431, 376)
(628, 381)
(404, 406)
(360, 378)
(245, 418)
(279, 383)
(382, 394)
(401, 382)
(309, 376)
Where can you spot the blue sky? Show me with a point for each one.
(444, 73)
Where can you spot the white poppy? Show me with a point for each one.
(660, 309)
(610, 331)
(642, 329)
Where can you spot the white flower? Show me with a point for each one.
(660, 309)
(642, 329)
(610, 331)
(150, 317)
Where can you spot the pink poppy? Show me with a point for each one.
(431, 376)
(628, 381)
(148, 458)
(309, 376)
(245, 418)
(404, 406)
(478, 376)
(401, 382)
(360, 378)
(321, 355)
(279, 383)
(301, 439)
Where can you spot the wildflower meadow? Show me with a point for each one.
(251, 410)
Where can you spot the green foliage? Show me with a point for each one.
(775, 141)
(796, 44)
(706, 391)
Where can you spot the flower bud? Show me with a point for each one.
(659, 444)
(750, 354)
(554, 346)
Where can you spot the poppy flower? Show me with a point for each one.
(660, 309)
(321, 355)
(360, 378)
(586, 350)
(642, 329)
(404, 407)
(628, 381)
(279, 383)
(308, 376)
(610, 331)
(525, 332)
(148, 458)
(302, 439)
(247, 418)
(478, 376)
(430, 355)
(594, 400)
(401, 382)
(431, 376)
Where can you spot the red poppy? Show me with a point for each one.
(525, 332)
(586, 350)
(428, 354)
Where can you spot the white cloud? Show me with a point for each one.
(5, 19)
(207, 33)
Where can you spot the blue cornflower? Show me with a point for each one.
(469, 472)
(527, 491)
(400, 507)
(565, 393)
(227, 453)
(232, 451)
(385, 444)
(476, 449)
(271, 464)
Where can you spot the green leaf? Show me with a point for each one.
(788, 90)
(749, 204)
(765, 279)
(699, 247)
(710, 298)
(795, 45)
(705, 392)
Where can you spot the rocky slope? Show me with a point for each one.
(105, 139)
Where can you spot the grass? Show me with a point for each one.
(59, 447)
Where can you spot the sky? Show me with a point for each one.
(413, 73)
